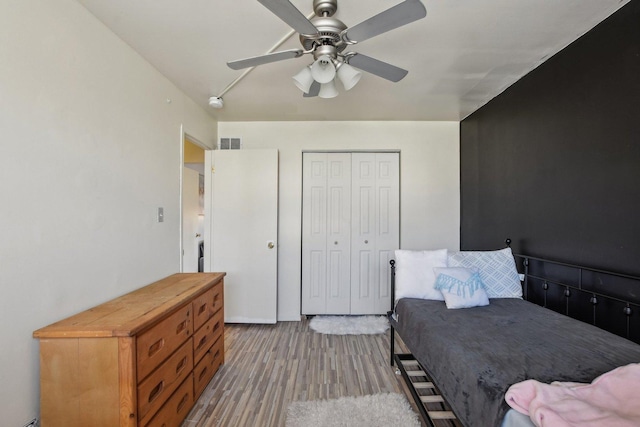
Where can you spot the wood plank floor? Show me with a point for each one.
(268, 366)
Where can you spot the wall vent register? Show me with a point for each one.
(230, 144)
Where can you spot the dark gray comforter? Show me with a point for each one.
(475, 354)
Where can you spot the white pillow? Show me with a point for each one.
(461, 287)
(414, 273)
(497, 270)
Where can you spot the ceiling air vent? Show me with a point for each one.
(230, 144)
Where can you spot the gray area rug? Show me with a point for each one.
(349, 325)
(377, 410)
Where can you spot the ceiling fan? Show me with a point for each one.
(326, 38)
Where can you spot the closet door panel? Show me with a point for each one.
(363, 232)
(317, 266)
(387, 226)
(376, 180)
(361, 290)
(338, 232)
(314, 229)
(382, 291)
(326, 258)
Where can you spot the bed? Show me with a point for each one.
(473, 355)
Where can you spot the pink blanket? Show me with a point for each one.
(612, 399)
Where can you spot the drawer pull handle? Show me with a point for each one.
(156, 391)
(203, 307)
(202, 374)
(216, 326)
(156, 346)
(182, 403)
(181, 365)
(202, 342)
(217, 354)
(181, 327)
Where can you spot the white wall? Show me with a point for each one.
(90, 148)
(429, 181)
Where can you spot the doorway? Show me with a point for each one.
(192, 206)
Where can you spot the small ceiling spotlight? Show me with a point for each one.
(216, 102)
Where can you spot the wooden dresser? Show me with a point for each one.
(141, 359)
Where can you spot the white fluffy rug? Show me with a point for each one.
(349, 325)
(377, 410)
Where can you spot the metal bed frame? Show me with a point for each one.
(603, 298)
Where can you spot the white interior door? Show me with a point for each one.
(191, 220)
(326, 233)
(375, 229)
(244, 227)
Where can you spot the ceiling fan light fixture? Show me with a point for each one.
(303, 80)
(348, 75)
(328, 90)
(323, 70)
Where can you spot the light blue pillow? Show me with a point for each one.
(497, 270)
(461, 287)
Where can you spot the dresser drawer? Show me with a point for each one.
(157, 343)
(202, 309)
(158, 386)
(207, 335)
(177, 407)
(218, 296)
(208, 366)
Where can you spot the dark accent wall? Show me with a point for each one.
(554, 161)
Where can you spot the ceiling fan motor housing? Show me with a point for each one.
(329, 30)
(326, 42)
(325, 7)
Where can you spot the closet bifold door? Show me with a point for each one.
(375, 229)
(326, 233)
(350, 228)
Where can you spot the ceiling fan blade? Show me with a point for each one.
(401, 14)
(379, 68)
(286, 11)
(264, 59)
(314, 90)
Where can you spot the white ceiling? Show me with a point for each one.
(463, 54)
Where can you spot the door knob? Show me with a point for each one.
(270, 245)
(197, 235)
